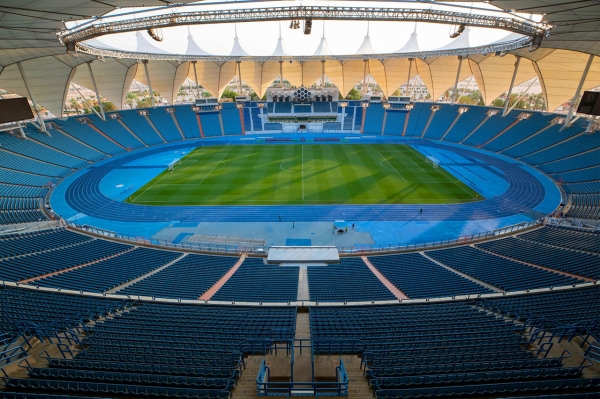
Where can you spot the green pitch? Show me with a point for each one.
(304, 174)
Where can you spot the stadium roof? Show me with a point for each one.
(28, 32)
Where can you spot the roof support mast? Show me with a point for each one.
(145, 62)
(512, 83)
(408, 92)
(239, 69)
(577, 92)
(196, 80)
(281, 74)
(89, 64)
(455, 91)
(42, 127)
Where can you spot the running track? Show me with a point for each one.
(525, 192)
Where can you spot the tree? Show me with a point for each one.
(354, 95)
(107, 105)
(228, 93)
(499, 102)
(74, 104)
(206, 94)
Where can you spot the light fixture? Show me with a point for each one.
(343, 104)
(458, 31)
(386, 105)
(308, 26)
(295, 24)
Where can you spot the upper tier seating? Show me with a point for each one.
(419, 277)
(582, 175)
(85, 133)
(576, 145)
(26, 179)
(65, 143)
(491, 129)
(140, 126)
(538, 142)
(231, 120)
(256, 121)
(523, 129)
(565, 237)
(374, 119)
(20, 216)
(580, 161)
(582, 188)
(164, 123)
(32, 149)
(350, 281)
(394, 122)
(417, 119)
(110, 273)
(566, 260)
(282, 108)
(323, 107)
(9, 190)
(467, 122)
(302, 109)
(255, 281)
(211, 125)
(188, 278)
(188, 122)
(499, 272)
(27, 266)
(113, 129)
(441, 121)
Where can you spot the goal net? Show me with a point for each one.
(174, 163)
(433, 161)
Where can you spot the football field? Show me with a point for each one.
(304, 174)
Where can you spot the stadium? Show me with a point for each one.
(236, 199)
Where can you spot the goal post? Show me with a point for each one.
(432, 160)
(173, 164)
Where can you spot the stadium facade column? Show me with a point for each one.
(31, 96)
(239, 70)
(196, 80)
(145, 62)
(322, 74)
(455, 90)
(577, 93)
(280, 78)
(365, 88)
(512, 83)
(89, 64)
(408, 92)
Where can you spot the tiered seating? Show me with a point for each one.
(520, 131)
(493, 127)
(417, 119)
(9, 190)
(255, 281)
(16, 162)
(358, 114)
(282, 108)
(12, 204)
(65, 143)
(188, 278)
(140, 126)
(566, 260)
(247, 119)
(394, 122)
(466, 123)
(113, 129)
(107, 274)
(186, 117)
(348, 118)
(565, 237)
(38, 241)
(44, 308)
(30, 148)
(271, 126)
(419, 277)
(21, 216)
(302, 109)
(499, 272)
(211, 126)
(582, 188)
(157, 350)
(349, 281)
(443, 350)
(30, 265)
(322, 107)
(257, 125)
(88, 135)
(586, 160)
(540, 141)
(557, 308)
(374, 119)
(231, 118)
(585, 206)
(164, 123)
(441, 121)
(9, 176)
(582, 175)
(574, 146)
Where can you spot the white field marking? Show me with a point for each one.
(153, 184)
(440, 172)
(394, 169)
(213, 168)
(416, 164)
